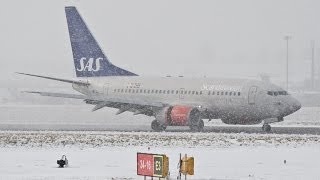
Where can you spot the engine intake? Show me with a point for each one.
(178, 115)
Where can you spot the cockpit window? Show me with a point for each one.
(277, 93)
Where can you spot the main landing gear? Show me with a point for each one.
(266, 128)
(197, 126)
(156, 126)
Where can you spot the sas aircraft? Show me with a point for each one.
(172, 101)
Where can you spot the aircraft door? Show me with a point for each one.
(252, 95)
(181, 91)
(105, 89)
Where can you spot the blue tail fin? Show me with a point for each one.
(89, 60)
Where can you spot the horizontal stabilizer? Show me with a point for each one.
(80, 82)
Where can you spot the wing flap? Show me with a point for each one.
(62, 95)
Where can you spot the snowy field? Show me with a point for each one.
(29, 155)
(107, 155)
(57, 117)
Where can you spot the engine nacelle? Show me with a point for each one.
(178, 115)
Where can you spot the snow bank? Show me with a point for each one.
(152, 139)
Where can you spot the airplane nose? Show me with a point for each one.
(295, 106)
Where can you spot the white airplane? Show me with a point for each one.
(173, 101)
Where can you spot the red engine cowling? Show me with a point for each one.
(178, 115)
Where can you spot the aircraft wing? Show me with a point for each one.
(62, 95)
(134, 105)
(137, 106)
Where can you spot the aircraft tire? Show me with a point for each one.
(198, 127)
(156, 126)
(266, 128)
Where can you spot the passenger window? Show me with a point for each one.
(234, 93)
(276, 93)
(159, 91)
(148, 91)
(212, 92)
(185, 92)
(209, 93)
(222, 93)
(283, 93)
(126, 90)
(144, 91)
(172, 91)
(196, 92)
(152, 91)
(177, 92)
(168, 92)
(230, 93)
(192, 92)
(189, 92)
(218, 93)
(200, 92)
(238, 93)
(129, 90)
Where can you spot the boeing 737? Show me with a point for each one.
(172, 101)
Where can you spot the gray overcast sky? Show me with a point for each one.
(233, 38)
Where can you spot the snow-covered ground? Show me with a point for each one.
(57, 117)
(107, 155)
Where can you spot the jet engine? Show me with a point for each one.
(178, 115)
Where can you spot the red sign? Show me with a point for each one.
(144, 164)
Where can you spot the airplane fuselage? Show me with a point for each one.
(234, 101)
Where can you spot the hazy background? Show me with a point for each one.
(210, 38)
(227, 38)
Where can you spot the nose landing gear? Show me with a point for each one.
(266, 128)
